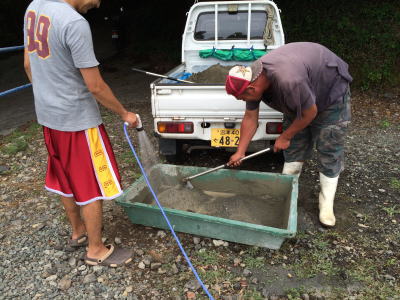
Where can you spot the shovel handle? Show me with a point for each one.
(255, 154)
(159, 75)
(204, 173)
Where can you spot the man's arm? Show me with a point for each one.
(247, 131)
(307, 115)
(27, 65)
(103, 94)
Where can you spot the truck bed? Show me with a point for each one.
(175, 99)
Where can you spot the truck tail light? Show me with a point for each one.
(175, 127)
(274, 127)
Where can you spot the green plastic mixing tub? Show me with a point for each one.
(247, 207)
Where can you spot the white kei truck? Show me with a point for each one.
(200, 116)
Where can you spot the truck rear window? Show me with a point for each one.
(230, 26)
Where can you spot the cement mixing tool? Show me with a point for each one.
(187, 179)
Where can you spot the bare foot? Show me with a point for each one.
(97, 252)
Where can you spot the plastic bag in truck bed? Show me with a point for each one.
(237, 54)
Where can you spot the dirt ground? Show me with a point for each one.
(358, 259)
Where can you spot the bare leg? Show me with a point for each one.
(92, 215)
(74, 216)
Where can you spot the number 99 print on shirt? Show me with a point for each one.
(37, 34)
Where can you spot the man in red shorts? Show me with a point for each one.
(61, 64)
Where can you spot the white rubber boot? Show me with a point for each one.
(292, 168)
(326, 198)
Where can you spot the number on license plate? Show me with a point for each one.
(222, 137)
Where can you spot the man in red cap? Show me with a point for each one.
(309, 84)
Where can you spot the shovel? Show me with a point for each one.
(186, 180)
(161, 76)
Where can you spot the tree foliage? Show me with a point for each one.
(365, 33)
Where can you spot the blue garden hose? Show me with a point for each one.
(5, 93)
(11, 49)
(165, 216)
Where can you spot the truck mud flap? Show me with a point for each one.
(167, 146)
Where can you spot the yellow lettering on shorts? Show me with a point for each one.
(108, 182)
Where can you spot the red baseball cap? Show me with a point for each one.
(240, 77)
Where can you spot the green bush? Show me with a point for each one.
(364, 33)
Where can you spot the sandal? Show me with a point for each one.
(73, 244)
(113, 258)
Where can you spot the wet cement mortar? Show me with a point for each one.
(226, 197)
(214, 74)
(358, 259)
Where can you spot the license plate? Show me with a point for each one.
(222, 137)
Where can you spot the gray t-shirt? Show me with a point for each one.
(303, 74)
(59, 42)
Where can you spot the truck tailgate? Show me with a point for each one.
(200, 101)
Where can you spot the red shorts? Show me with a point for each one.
(82, 165)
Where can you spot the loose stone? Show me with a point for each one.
(142, 265)
(65, 283)
(218, 243)
(90, 278)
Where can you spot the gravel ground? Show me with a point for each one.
(358, 259)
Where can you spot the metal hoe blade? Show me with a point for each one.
(188, 184)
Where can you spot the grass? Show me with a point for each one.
(27, 132)
(216, 276)
(317, 260)
(391, 211)
(17, 145)
(19, 139)
(252, 294)
(211, 264)
(395, 183)
(364, 271)
(254, 262)
(295, 293)
(391, 262)
(384, 124)
(126, 157)
(206, 257)
(368, 275)
(315, 263)
(253, 258)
